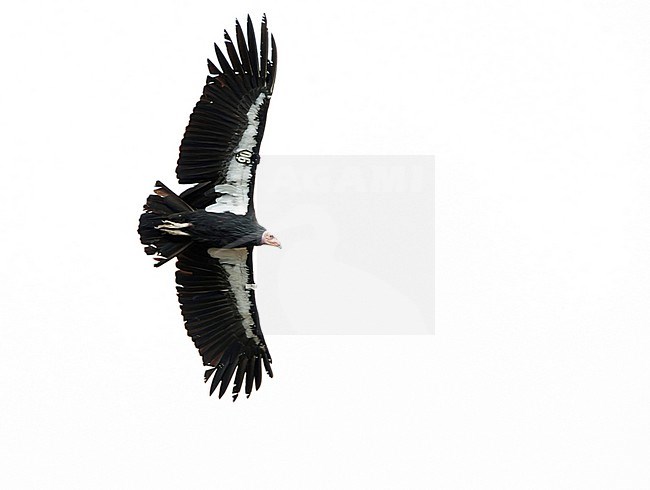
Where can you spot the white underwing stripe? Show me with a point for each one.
(233, 260)
(234, 192)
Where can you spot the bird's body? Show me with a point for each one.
(221, 230)
(211, 228)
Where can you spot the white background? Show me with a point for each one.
(538, 375)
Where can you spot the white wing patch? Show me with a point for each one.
(234, 192)
(233, 261)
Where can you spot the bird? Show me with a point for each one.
(211, 228)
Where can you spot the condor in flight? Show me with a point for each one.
(211, 227)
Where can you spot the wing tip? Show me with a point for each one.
(244, 372)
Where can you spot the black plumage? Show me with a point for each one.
(211, 228)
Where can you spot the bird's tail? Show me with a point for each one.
(160, 236)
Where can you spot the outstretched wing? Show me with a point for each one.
(222, 140)
(217, 297)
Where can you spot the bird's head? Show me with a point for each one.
(269, 239)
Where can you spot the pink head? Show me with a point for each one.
(269, 239)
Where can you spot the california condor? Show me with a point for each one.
(211, 227)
